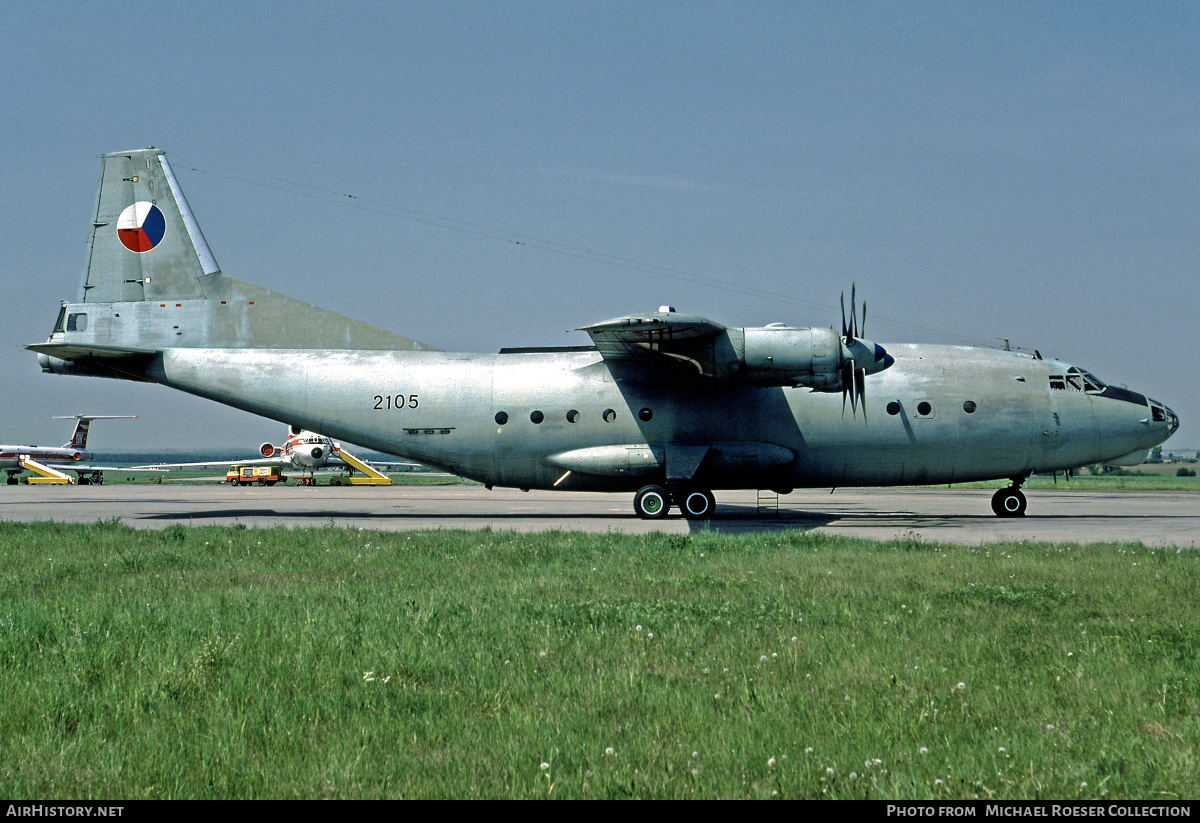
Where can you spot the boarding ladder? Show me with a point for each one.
(768, 502)
(373, 477)
(43, 473)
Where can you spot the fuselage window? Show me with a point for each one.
(969, 407)
(77, 322)
(609, 415)
(924, 408)
(501, 417)
(536, 416)
(893, 407)
(645, 414)
(573, 416)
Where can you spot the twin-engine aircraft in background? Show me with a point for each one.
(305, 452)
(664, 405)
(48, 464)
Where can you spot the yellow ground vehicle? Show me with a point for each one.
(262, 475)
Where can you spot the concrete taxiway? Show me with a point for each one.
(1156, 519)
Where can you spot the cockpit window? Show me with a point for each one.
(1077, 380)
(1092, 382)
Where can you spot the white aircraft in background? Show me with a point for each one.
(303, 451)
(49, 464)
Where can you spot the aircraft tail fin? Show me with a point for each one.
(151, 282)
(144, 242)
(79, 437)
(83, 423)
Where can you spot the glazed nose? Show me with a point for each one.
(1172, 420)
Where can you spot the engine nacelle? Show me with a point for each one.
(268, 450)
(783, 356)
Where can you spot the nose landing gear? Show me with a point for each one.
(1010, 502)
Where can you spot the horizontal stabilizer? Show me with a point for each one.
(86, 360)
(70, 351)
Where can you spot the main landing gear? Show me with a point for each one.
(653, 502)
(1010, 502)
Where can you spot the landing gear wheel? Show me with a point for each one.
(696, 504)
(1009, 503)
(651, 502)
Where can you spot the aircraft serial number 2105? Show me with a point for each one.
(385, 402)
(666, 405)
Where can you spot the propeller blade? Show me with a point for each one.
(854, 332)
(860, 389)
(847, 384)
(863, 329)
(845, 328)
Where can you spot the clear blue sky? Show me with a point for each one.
(1020, 170)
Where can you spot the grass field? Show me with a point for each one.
(243, 663)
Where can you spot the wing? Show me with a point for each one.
(661, 335)
(819, 359)
(89, 467)
(392, 465)
(335, 462)
(260, 461)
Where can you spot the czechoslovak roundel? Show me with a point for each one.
(141, 226)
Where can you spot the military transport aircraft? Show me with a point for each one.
(663, 404)
(48, 464)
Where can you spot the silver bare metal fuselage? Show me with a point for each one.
(669, 404)
(442, 409)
